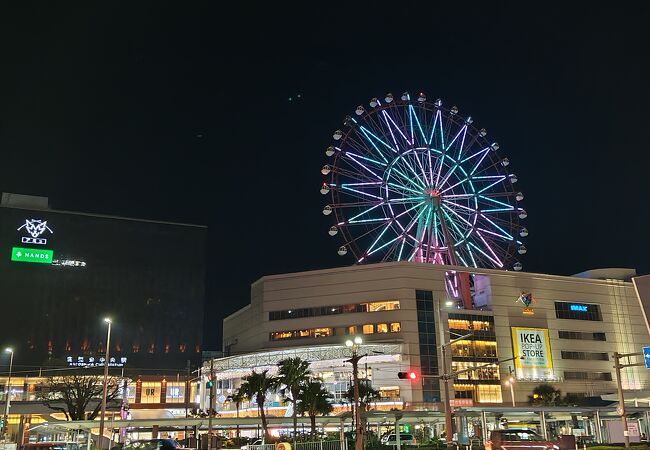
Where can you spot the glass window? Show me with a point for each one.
(395, 327)
(459, 324)
(382, 328)
(352, 329)
(488, 393)
(387, 305)
(368, 329)
(322, 332)
(175, 392)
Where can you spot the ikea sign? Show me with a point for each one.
(578, 308)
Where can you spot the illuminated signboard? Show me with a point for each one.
(35, 228)
(32, 255)
(532, 352)
(91, 361)
(579, 308)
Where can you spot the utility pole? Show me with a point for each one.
(621, 399)
(212, 387)
(187, 400)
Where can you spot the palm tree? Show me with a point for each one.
(292, 374)
(237, 397)
(313, 399)
(255, 387)
(367, 395)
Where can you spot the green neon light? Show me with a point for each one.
(32, 255)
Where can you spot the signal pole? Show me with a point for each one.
(621, 399)
(211, 403)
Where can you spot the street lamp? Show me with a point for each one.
(105, 388)
(8, 392)
(354, 345)
(511, 382)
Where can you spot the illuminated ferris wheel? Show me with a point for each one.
(411, 180)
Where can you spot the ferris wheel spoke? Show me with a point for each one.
(360, 194)
(502, 206)
(412, 116)
(457, 215)
(364, 167)
(367, 134)
(424, 175)
(505, 233)
(478, 249)
(444, 181)
(436, 121)
(499, 180)
(377, 164)
(482, 154)
(389, 120)
(489, 248)
(507, 238)
(447, 202)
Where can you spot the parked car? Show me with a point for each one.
(405, 439)
(254, 442)
(518, 438)
(152, 444)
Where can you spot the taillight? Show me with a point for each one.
(488, 445)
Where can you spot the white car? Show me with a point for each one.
(255, 442)
(404, 438)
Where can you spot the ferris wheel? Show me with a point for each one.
(411, 180)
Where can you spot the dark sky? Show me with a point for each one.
(179, 111)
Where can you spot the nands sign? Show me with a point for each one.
(532, 352)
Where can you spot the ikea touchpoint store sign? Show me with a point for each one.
(532, 352)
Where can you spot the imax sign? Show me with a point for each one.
(579, 308)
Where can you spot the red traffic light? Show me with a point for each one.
(410, 375)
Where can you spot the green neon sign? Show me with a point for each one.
(32, 255)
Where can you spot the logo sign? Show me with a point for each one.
(646, 356)
(526, 299)
(35, 228)
(32, 255)
(532, 352)
(578, 308)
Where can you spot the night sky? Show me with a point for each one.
(180, 111)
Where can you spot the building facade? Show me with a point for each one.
(63, 272)
(533, 328)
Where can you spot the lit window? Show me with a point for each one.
(395, 327)
(322, 332)
(303, 333)
(352, 330)
(368, 329)
(382, 328)
(457, 324)
(488, 393)
(387, 305)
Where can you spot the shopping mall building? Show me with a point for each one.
(532, 327)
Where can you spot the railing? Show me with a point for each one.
(322, 445)
(317, 445)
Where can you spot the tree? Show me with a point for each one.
(367, 395)
(73, 394)
(255, 387)
(292, 374)
(545, 395)
(238, 397)
(313, 399)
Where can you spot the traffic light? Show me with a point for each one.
(210, 382)
(410, 375)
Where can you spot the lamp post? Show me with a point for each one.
(8, 393)
(105, 387)
(354, 345)
(511, 382)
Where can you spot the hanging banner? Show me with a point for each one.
(532, 351)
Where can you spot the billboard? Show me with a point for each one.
(531, 349)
